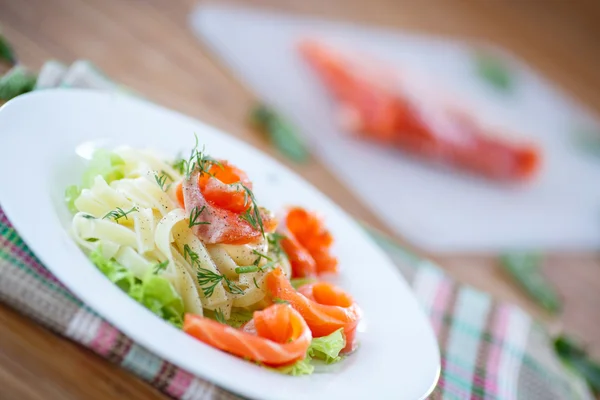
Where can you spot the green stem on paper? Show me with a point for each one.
(16, 82)
(280, 131)
(7, 54)
(577, 358)
(524, 268)
(494, 71)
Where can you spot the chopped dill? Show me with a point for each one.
(219, 316)
(194, 214)
(252, 214)
(118, 213)
(160, 266)
(207, 279)
(162, 181)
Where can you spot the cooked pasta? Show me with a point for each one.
(189, 242)
(137, 220)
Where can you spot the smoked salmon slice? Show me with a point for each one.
(325, 307)
(281, 335)
(307, 243)
(217, 208)
(379, 104)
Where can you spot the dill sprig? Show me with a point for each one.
(219, 316)
(198, 159)
(194, 214)
(207, 279)
(162, 180)
(179, 165)
(189, 253)
(233, 288)
(252, 214)
(274, 239)
(118, 213)
(280, 301)
(160, 266)
(255, 284)
(270, 264)
(261, 255)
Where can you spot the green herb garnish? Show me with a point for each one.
(280, 301)
(252, 214)
(197, 160)
(208, 279)
(261, 255)
(246, 269)
(179, 165)
(194, 214)
(193, 256)
(118, 213)
(219, 316)
(297, 282)
(525, 269)
(274, 239)
(162, 181)
(268, 265)
(160, 267)
(255, 284)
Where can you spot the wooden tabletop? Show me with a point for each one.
(147, 46)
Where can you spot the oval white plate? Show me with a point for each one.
(39, 132)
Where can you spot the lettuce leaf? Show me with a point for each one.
(71, 194)
(105, 163)
(159, 296)
(239, 318)
(154, 292)
(118, 274)
(327, 348)
(302, 367)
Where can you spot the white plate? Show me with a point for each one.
(398, 356)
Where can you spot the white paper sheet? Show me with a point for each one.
(437, 209)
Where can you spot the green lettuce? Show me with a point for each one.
(299, 368)
(104, 163)
(154, 292)
(71, 194)
(327, 348)
(324, 349)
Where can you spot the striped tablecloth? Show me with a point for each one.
(490, 349)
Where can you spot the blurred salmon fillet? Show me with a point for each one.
(376, 105)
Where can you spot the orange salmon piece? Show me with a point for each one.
(377, 105)
(221, 219)
(308, 243)
(282, 336)
(325, 308)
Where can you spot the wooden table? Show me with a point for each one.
(146, 45)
